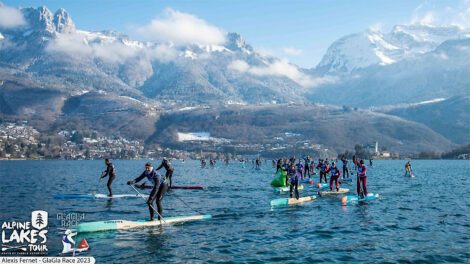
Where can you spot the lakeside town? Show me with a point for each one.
(21, 141)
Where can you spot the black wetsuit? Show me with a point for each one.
(160, 186)
(306, 167)
(111, 173)
(169, 169)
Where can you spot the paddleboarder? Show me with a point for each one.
(361, 178)
(344, 160)
(334, 176)
(408, 171)
(294, 181)
(169, 168)
(111, 173)
(160, 187)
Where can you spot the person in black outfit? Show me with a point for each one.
(168, 167)
(111, 173)
(307, 167)
(160, 186)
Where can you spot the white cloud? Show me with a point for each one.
(115, 52)
(239, 65)
(163, 53)
(280, 68)
(428, 18)
(71, 44)
(77, 45)
(10, 17)
(181, 29)
(428, 14)
(377, 27)
(292, 51)
(84, 45)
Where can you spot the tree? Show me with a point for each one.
(360, 152)
(77, 138)
(39, 220)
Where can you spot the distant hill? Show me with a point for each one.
(450, 118)
(332, 127)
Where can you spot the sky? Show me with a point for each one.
(295, 30)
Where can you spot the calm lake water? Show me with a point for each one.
(424, 219)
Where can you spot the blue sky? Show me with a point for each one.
(300, 31)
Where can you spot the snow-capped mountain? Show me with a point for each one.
(368, 68)
(55, 74)
(441, 73)
(372, 47)
(51, 52)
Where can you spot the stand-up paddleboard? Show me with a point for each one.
(323, 185)
(141, 186)
(287, 189)
(96, 196)
(341, 191)
(291, 201)
(187, 187)
(354, 199)
(124, 224)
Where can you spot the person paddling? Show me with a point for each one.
(361, 178)
(344, 160)
(334, 176)
(169, 168)
(160, 187)
(408, 171)
(307, 167)
(111, 173)
(294, 181)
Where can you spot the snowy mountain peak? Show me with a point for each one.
(63, 22)
(235, 42)
(356, 51)
(39, 19)
(373, 47)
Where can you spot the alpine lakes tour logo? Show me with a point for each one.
(26, 238)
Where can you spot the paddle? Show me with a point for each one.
(161, 217)
(97, 186)
(173, 194)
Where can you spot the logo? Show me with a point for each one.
(26, 238)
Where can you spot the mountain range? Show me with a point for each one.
(52, 73)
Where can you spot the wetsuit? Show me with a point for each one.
(408, 169)
(294, 182)
(319, 167)
(169, 169)
(160, 186)
(323, 171)
(111, 173)
(278, 165)
(361, 179)
(345, 168)
(307, 169)
(300, 169)
(334, 176)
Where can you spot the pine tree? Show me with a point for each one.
(39, 220)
